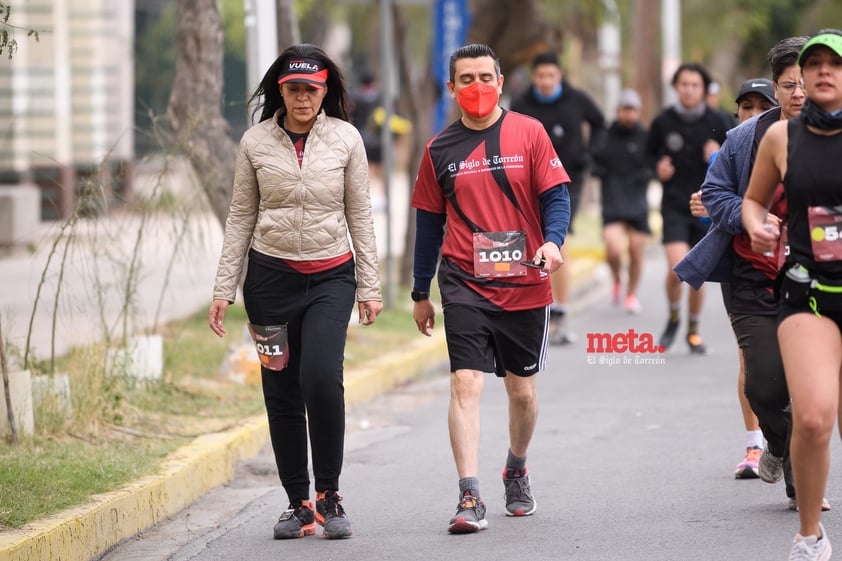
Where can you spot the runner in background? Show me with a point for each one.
(755, 97)
(681, 140)
(619, 161)
(572, 119)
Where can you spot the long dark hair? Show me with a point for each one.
(335, 102)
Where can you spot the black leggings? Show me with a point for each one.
(765, 387)
(316, 309)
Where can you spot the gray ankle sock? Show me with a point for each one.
(515, 463)
(470, 484)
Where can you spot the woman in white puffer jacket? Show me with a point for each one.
(300, 188)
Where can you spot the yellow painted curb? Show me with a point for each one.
(581, 271)
(395, 368)
(579, 253)
(89, 531)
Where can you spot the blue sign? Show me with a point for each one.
(451, 19)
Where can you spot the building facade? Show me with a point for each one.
(66, 103)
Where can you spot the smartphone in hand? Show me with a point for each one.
(533, 265)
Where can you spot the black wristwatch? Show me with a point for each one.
(418, 296)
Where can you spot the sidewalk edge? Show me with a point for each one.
(91, 530)
(395, 368)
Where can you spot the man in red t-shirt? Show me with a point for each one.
(494, 180)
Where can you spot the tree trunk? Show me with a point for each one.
(195, 105)
(318, 23)
(723, 65)
(647, 76)
(515, 29)
(288, 33)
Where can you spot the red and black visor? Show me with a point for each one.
(304, 71)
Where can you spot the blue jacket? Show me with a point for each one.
(722, 194)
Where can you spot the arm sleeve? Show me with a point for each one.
(595, 119)
(653, 144)
(360, 221)
(239, 226)
(429, 234)
(555, 212)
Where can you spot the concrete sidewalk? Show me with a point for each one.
(148, 270)
(89, 531)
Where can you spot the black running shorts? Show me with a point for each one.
(681, 226)
(785, 309)
(638, 223)
(496, 341)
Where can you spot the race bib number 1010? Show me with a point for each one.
(498, 254)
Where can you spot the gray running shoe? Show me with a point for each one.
(793, 504)
(770, 468)
(810, 548)
(331, 515)
(519, 499)
(470, 516)
(296, 522)
(560, 333)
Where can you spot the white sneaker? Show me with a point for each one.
(559, 332)
(793, 504)
(811, 548)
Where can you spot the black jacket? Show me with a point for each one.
(563, 120)
(683, 141)
(620, 161)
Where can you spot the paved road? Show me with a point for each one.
(629, 462)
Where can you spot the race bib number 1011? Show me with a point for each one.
(271, 344)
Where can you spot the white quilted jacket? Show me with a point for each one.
(300, 213)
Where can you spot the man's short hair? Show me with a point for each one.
(693, 67)
(545, 58)
(785, 54)
(475, 50)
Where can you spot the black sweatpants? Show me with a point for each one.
(766, 389)
(316, 309)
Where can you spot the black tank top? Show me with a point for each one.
(813, 178)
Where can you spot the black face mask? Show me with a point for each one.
(817, 117)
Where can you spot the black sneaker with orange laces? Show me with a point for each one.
(697, 347)
(470, 516)
(331, 516)
(296, 522)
